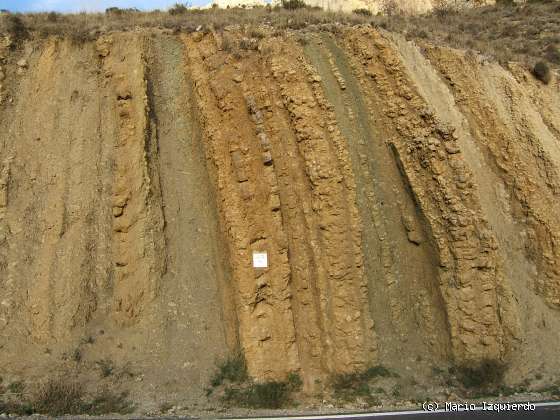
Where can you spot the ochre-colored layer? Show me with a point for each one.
(387, 184)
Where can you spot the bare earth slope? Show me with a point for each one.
(407, 198)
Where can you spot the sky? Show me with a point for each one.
(87, 5)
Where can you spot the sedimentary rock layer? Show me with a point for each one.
(405, 198)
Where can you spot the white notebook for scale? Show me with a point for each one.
(260, 259)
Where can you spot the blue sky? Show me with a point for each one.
(86, 5)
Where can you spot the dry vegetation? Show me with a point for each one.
(234, 388)
(528, 32)
(86, 26)
(61, 397)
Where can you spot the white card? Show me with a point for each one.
(260, 259)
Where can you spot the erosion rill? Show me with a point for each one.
(406, 198)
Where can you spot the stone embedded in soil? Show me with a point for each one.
(117, 211)
(452, 148)
(267, 158)
(415, 237)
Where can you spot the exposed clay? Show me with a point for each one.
(406, 199)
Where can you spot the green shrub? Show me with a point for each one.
(233, 369)
(552, 54)
(241, 392)
(114, 11)
(106, 366)
(343, 382)
(179, 9)
(118, 11)
(293, 4)
(542, 72)
(294, 381)
(16, 27)
(379, 370)
(16, 387)
(53, 17)
(267, 395)
(264, 395)
(363, 12)
(348, 386)
(486, 374)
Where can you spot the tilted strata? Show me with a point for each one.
(137, 242)
(441, 183)
(322, 296)
(360, 173)
(523, 147)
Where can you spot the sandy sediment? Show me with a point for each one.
(406, 198)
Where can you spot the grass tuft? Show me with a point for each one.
(58, 398)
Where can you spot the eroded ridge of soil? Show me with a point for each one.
(406, 198)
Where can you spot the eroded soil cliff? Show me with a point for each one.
(406, 196)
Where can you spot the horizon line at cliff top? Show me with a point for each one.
(69, 6)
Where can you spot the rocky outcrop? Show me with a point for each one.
(405, 198)
(137, 242)
(375, 6)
